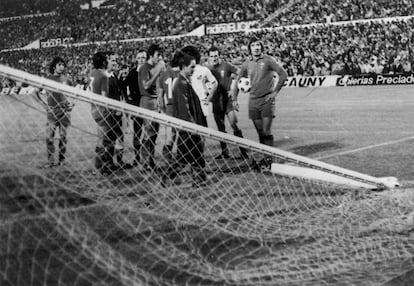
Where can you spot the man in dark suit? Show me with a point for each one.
(134, 97)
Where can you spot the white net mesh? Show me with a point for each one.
(70, 224)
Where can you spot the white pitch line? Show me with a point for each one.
(365, 148)
(329, 131)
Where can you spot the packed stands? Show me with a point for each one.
(138, 19)
(12, 8)
(316, 11)
(134, 19)
(372, 47)
(16, 8)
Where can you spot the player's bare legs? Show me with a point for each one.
(263, 127)
(219, 119)
(167, 150)
(232, 117)
(264, 130)
(50, 144)
(138, 123)
(259, 128)
(62, 143)
(148, 146)
(267, 131)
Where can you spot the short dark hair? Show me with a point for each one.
(176, 59)
(152, 49)
(54, 62)
(213, 49)
(100, 60)
(109, 53)
(185, 60)
(192, 51)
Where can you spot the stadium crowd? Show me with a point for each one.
(362, 48)
(314, 11)
(132, 19)
(12, 8)
(138, 19)
(15, 8)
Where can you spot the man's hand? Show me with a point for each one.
(161, 108)
(71, 106)
(205, 101)
(209, 97)
(36, 94)
(236, 105)
(270, 96)
(159, 67)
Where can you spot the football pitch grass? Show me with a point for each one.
(365, 129)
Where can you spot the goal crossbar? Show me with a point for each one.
(89, 97)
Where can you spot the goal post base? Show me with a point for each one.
(390, 182)
(313, 174)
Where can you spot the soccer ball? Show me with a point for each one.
(244, 84)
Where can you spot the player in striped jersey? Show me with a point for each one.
(165, 84)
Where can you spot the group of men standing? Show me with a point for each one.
(182, 89)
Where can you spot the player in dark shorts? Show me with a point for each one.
(222, 101)
(261, 69)
(148, 75)
(58, 110)
(106, 124)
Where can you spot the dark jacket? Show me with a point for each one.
(131, 81)
(186, 104)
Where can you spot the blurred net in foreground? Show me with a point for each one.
(70, 224)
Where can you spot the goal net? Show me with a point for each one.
(178, 221)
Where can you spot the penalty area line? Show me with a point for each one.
(402, 140)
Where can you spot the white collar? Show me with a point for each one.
(109, 74)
